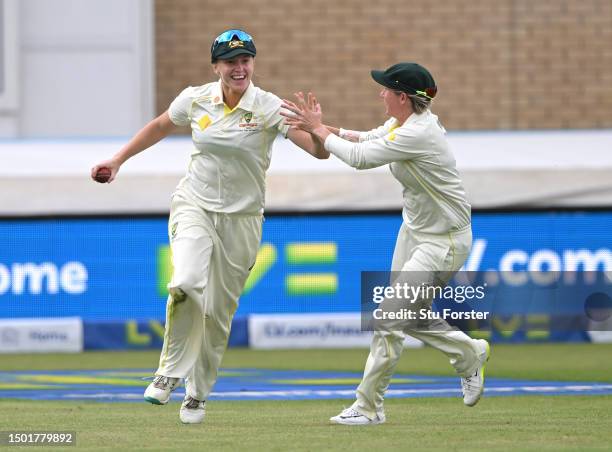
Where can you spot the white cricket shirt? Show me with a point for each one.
(232, 147)
(419, 158)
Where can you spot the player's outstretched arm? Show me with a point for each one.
(369, 154)
(150, 134)
(334, 130)
(306, 115)
(350, 135)
(309, 142)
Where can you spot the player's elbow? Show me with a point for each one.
(363, 165)
(322, 155)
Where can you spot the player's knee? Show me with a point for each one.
(183, 286)
(180, 291)
(178, 294)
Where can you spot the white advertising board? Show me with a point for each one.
(342, 330)
(41, 335)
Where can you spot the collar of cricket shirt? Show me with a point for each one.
(246, 101)
(415, 117)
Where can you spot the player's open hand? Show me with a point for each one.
(304, 114)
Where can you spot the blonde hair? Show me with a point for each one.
(419, 103)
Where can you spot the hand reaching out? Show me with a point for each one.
(306, 114)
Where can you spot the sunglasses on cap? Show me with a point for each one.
(228, 36)
(231, 43)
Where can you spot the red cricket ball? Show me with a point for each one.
(103, 175)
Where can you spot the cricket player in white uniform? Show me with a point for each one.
(216, 214)
(435, 236)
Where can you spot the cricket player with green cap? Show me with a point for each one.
(435, 236)
(216, 213)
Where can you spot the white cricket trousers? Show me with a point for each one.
(442, 254)
(212, 255)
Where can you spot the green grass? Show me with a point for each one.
(499, 423)
(517, 423)
(568, 362)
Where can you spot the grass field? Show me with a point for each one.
(497, 423)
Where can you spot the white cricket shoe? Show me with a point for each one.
(158, 392)
(473, 386)
(350, 416)
(192, 410)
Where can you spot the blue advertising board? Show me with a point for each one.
(116, 268)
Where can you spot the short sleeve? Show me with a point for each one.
(274, 120)
(282, 128)
(180, 108)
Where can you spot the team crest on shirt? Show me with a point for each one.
(247, 122)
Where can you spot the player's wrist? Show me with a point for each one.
(321, 131)
(119, 158)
